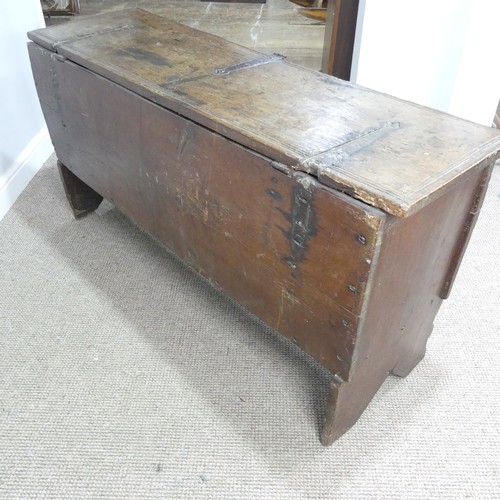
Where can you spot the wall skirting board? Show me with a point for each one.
(23, 169)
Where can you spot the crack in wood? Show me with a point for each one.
(259, 61)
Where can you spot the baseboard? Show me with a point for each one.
(23, 169)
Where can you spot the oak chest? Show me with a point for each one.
(337, 215)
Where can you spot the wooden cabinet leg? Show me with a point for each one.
(82, 198)
(335, 419)
(413, 351)
(405, 366)
(347, 401)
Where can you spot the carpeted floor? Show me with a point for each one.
(124, 375)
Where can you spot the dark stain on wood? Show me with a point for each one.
(136, 52)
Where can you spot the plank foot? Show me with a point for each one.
(81, 197)
(406, 365)
(413, 353)
(346, 403)
(335, 424)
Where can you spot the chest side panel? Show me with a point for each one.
(295, 253)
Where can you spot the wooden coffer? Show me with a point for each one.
(336, 214)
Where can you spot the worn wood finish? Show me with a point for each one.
(467, 227)
(341, 232)
(405, 297)
(319, 129)
(232, 216)
(276, 27)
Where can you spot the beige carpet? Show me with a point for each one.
(124, 375)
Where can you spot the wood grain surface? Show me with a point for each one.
(335, 214)
(415, 260)
(294, 252)
(386, 152)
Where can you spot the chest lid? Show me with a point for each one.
(392, 154)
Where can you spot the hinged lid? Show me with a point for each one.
(391, 154)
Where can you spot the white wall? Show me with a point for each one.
(24, 140)
(439, 53)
